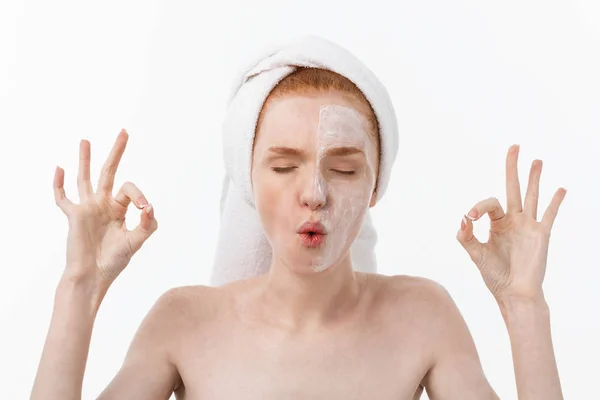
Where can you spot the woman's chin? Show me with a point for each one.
(308, 264)
(303, 260)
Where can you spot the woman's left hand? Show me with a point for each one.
(513, 261)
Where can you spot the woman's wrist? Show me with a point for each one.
(516, 308)
(81, 291)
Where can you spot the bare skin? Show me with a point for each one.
(295, 333)
(381, 347)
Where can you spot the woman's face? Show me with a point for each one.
(314, 170)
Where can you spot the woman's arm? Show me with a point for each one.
(147, 371)
(457, 372)
(528, 323)
(512, 264)
(62, 365)
(99, 247)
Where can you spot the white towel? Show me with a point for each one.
(242, 249)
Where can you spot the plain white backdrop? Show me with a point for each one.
(468, 79)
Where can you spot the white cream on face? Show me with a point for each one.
(346, 197)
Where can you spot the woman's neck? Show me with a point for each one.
(303, 301)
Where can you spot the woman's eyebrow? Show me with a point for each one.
(285, 151)
(344, 151)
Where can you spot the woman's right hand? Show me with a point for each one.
(99, 246)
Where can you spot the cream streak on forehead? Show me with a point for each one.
(342, 126)
(339, 120)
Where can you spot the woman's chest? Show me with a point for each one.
(365, 363)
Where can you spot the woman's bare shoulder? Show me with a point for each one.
(412, 293)
(407, 284)
(188, 305)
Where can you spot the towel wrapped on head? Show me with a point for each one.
(242, 248)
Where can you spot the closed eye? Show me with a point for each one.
(282, 170)
(343, 172)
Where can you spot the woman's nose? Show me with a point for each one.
(314, 191)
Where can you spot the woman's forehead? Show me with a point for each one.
(340, 122)
(301, 118)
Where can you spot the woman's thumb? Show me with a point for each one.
(468, 240)
(145, 228)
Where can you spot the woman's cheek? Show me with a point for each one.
(349, 201)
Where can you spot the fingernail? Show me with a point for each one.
(463, 223)
(148, 210)
(472, 214)
(142, 202)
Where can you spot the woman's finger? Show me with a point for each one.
(128, 193)
(109, 170)
(83, 176)
(469, 242)
(60, 196)
(513, 188)
(552, 210)
(533, 189)
(144, 230)
(490, 206)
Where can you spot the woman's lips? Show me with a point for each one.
(312, 234)
(311, 240)
(312, 227)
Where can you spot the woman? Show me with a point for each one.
(311, 326)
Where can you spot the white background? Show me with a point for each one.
(468, 79)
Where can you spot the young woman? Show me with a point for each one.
(312, 327)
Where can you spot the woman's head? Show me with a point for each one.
(315, 159)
